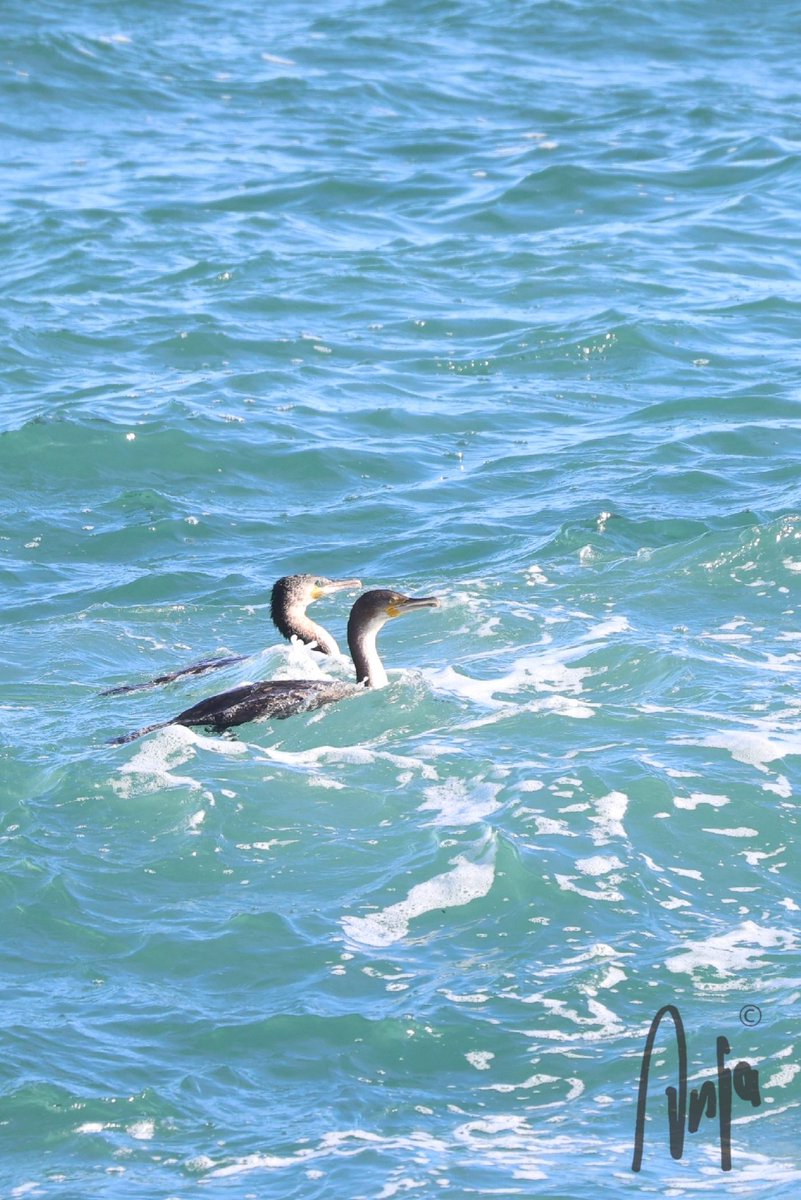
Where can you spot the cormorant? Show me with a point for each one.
(291, 595)
(290, 598)
(279, 698)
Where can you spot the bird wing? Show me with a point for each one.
(276, 698)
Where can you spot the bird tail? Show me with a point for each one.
(137, 733)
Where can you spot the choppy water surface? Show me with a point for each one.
(499, 302)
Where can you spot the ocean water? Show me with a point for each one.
(499, 302)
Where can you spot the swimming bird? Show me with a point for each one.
(291, 596)
(280, 698)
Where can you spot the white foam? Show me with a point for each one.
(355, 755)
(547, 826)
(152, 766)
(755, 857)
(489, 627)
(780, 787)
(754, 749)
(200, 1162)
(599, 865)
(738, 949)
(598, 953)
(410, 762)
(467, 998)
(600, 1024)
(535, 575)
(481, 691)
(609, 979)
(403, 1183)
(480, 1059)
(467, 881)
(605, 890)
(143, 1131)
(547, 671)
(273, 842)
(742, 831)
(322, 781)
(460, 803)
(336, 1142)
(318, 754)
(692, 801)
(532, 1082)
(568, 706)
(303, 662)
(783, 1077)
(608, 820)
(605, 629)
(685, 871)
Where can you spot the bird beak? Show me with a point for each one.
(412, 603)
(339, 585)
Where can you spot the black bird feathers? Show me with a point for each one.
(281, 698)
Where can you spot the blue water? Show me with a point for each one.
(495, 302)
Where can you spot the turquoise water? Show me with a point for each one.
(497, 302)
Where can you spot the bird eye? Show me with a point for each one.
(318, 583)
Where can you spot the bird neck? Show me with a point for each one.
(295, 623)
(363, 651)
